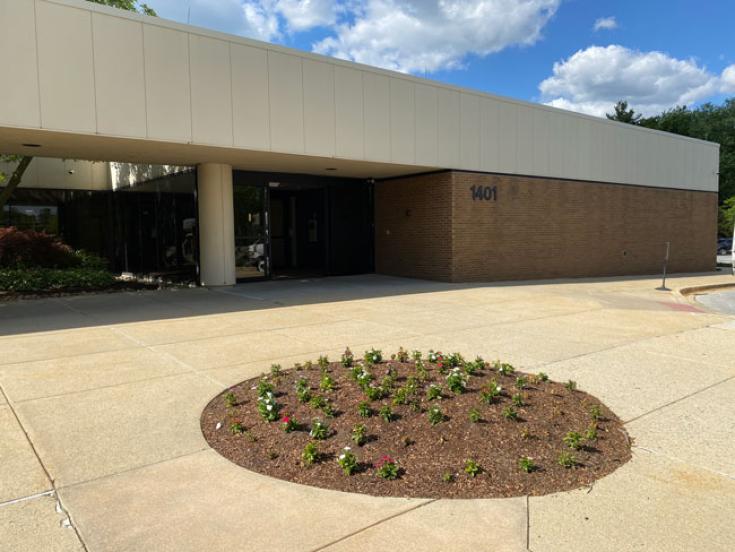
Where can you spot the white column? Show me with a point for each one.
(216, 225)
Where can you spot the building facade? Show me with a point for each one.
(303, 164)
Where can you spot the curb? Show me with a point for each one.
(695, 290)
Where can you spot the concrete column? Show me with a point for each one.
(216, 225)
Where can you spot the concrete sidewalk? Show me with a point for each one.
(101, 450)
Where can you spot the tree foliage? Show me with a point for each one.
(129, 5)
(624, 114)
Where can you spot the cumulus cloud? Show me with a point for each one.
(606, 23)
(422, 35)
(728, 80)
(593, 79)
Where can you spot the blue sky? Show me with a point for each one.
(576, 54)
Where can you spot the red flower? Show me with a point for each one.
(286, 419)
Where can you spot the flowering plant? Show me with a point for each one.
(267, 407)
(387, 468)
(385, 413)
(437, 358)
(455, 360)
(471, 468)
(237, 428)
(433, 392)
(457, 381)
(373, 356)
(347, 461)
(526, 464)
(402, 355)
(303, 391)
(364, 410)
(326, 383)
(264, 387)
(319, 430)
(504, 368)
(289, 424)
(435, 415)
(359, 434)
(310, 454)
(471, 368)
(492, 391)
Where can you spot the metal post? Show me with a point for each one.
(666, 262)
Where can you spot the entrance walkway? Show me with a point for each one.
(101, 450)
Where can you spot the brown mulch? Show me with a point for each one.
(426, 454)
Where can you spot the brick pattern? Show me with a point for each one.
(430, 227)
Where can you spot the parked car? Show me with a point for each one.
(724, 246)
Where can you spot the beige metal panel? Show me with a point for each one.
(426, 129)
(211, 91)
(168, 92)
(66, 72)
(570, 147)
(489, 136)
(376, 94)
(319, 129)
(119, 76)
(250, 97)
(447, 124)
(285, 85)
(348, 103)
(584, 158)
(19, 105)
(556, 144)
(508, 137)
(541, 139)
(65, 174)
(402, 121)
(525, 144)
(469, 137)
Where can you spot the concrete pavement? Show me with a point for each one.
(101, 450)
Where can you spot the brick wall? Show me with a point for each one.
(537, 228)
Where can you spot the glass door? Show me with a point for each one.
(252, 246)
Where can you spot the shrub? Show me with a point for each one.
(267, 407)
(326, 383)
(347, 358)
(28, 280)
(491, 392)
(31, 249)
(472, 368)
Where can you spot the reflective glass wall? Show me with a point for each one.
(141, 218)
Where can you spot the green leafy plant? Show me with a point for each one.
(595, 412)
(521, 382)
(348, 358)
(456, 381)
(373, 356)
(359, 434)
(310, 454)
(454, 360)
(542, 377)
(491, 392)
(303, 392)
(236, 428)
(374, 392)
(326, 383)
(573, 440)
(267, 407)
(471, 468)
(517, 400)
(264, 387)
(347, 461)
(323, 362)
(591, 433)
(275, 370)
(319, 430)
(571, 385)
(433, 392)
(526, 464)
(509, 413)
(289, 424)
(435, 415)
(504, 368)
(474, 415)
(471, 368)
(567, 460)
(364, 410)
(422, 374)
(416, 355)
(447, 477)
(230, 400)
(385, 413)
(387, 468)
(402, 355)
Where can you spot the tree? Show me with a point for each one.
(22, 162)
(623, 114)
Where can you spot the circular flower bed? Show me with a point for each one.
(417, 425)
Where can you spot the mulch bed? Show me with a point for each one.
(431, 458)
(9, 296)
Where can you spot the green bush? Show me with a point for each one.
(53, 279)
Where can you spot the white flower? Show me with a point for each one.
(347, 448)
(341, 456)
(269, 407)
(218, 426)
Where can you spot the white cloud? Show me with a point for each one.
(302, 15)
(422, 35)
(592, 80)
(606, 23)
(728, 80)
